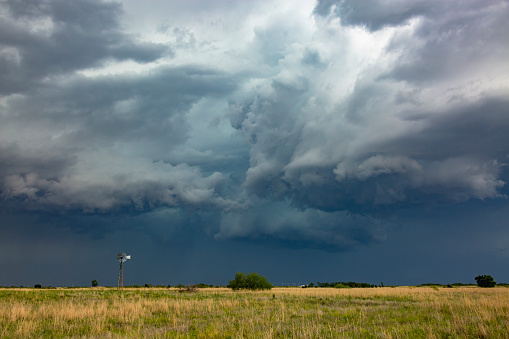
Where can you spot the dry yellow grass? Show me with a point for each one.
(402, 312)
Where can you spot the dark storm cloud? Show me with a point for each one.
(460, 39)
(14, 159)
(104, 110)
(41, 39)
(146, 115)
(95, 143)
(387, 145)
(476, 129)
(335, 126)
(279, 224)
(444, 156)
(68, 163)
(375, 15)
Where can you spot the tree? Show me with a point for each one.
(95, 283)
(485, 281)
(253, 281)
(37, 286)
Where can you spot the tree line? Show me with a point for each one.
(254, 281)
(342, 284)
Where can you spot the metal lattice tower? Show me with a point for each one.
(121, 257)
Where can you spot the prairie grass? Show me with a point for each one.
(401, 312)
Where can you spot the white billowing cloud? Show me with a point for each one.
(376, 140)
(377, 165)
(104, 181)
(294, 121)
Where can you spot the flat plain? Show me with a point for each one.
(397, 312)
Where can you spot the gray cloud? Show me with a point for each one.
(42, 39)
(322, 164)
(139, 185)
(460, 40)
(286, 128)
(375, 15)
(284, 225)
(124, 108)
(142, 118)
(387, 144)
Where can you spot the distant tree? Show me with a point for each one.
(95, 283)
(485, 281)
(37, 286)
(253, 281)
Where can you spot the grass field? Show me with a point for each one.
(401, 312)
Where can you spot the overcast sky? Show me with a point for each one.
(306, 141)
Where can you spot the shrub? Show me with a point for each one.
(188, 289)
(202, 285)
(485, 281)
(37, 286)
(95, 283)
(341, 286)
(252, 281)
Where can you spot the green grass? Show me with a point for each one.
(423, 312)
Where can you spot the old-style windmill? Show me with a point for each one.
(121, 257)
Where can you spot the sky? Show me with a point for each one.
(307, 141)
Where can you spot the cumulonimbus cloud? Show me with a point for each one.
(344, 113)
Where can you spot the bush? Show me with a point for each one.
(202, 285)
(485, 281)
(252, 281)
(341, 286)
(188, 289)
(95, 283)
(37, 286)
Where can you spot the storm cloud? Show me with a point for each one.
(319, 126)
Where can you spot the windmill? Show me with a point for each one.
(121, 257)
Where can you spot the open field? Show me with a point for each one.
(401, 312)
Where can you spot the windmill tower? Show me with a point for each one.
(121, 257)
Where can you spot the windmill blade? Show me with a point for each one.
(121, 257)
